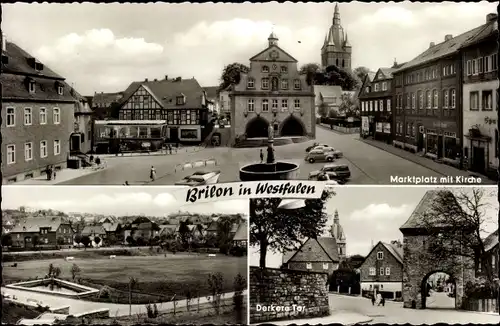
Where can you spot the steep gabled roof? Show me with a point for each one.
(395, 250)
(292, 59)
(93, 229)
(211, 91)
(491, 241)
(110, 227)
(327, 244)
(242, 233)
(34, 224)
(424, 207)
(489, 30)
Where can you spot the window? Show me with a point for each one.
(57, 116)
(43, 149)
(376, 105)
(494, 63)
(284, 69)
(43, 116)
(284, 84)
(275, 105)
(487, 64)
(480, 63)
(387, 271)
(474, 101)
(325, 265)
(28, 119)
(11, 117)
(11, 154)
(32, 86)
(265, 105)
(381, 271)
(251, 83)
(493, 261)
(420, 100)
(362, 106)
(60, 90)
(367, 89)
(435, 98)
(413, 101)
(251, 105)
(380, 255)
(265, 83)
(296, 84)
(453, 99)
(376, 87)
(179, 100)
(487, 100)
(284, 105)
(57, 147)
(28, 151)
(408, 101)
(309, 266)
(429, 99)
(381, 105)
(445, 98)
(474, 67)
(371, 106)
(265, 69)
(408, 129)
(389, 105)
(296, 104)
(372, 271)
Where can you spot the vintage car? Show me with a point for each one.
(200, 178)
(323, 177)
(319, 155)
(337, 172)
(336, 153)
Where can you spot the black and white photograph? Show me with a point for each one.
(121, 256)
(376, 255)
(196, 94)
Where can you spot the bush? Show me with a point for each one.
(224, 248)
(238, 251)
(481, 288)
(152, 310)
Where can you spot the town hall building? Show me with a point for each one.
(273, 93)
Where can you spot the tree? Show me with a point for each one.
(78, 238)
(132, 282)
(355, 261)
(130, 240)
(184, 232)
(6, 240)
(272, 228)
(231, 75)
(340, 77)
(323, 110)
(35, 240)
(311, 70)
(111, 239)
(361, 72)
(224, 226)
(349, 106)
(75, 271)
(455, 223)
(97, 240)
(86, 241)
(60, 241)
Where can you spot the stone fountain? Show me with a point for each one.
(271, 169)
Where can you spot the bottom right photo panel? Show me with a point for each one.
(370, 255)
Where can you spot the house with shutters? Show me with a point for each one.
(42, 232)
(382, 270)
(315, 255)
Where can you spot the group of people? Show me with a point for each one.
(51, 172)
(378, 299)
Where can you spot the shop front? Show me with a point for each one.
(442, 142)
(476, 150)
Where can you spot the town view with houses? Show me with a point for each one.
(401, 267)
(193, 101)
(124, 256)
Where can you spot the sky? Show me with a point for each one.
(119, 201)
(378, 216)
(104, 47)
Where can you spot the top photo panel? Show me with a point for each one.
(195, 94)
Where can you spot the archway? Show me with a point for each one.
(257, 127)
(438, 291)
(292, 127)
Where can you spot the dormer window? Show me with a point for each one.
(265, 69)
(60, 90)
(296, 84)
(31, 86)
(5, 59)
(180, 100)
(367, 89)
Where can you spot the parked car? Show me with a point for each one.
(200, 178)
(308, 149)
(324, 177)
(319, 155)
(337, 172)
(336, 153)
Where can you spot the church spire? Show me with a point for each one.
(336, 218)
(336, 15)
(346, 43)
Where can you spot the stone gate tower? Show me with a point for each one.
(337, 232)
(336, 49)
(418, 261)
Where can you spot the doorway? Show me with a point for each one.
(75, 143)
(438, 291)
(174, 134)
(440, 147)
(478, 160)
(420, 140)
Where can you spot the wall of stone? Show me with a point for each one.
(281, 294)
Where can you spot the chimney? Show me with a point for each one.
(431, 44)
(166, 77)
(491, 18)
(156, 79)
(395, 63)
(146, 80)
(448, 37)
(4, 43)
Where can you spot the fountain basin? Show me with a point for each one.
(269, 171)
(61, 288)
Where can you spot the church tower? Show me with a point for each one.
(336, 50)
(337, 232)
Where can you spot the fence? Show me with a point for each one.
(482, 305)
(195, 164)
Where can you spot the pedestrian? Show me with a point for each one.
(48, 172)
(54, 172)
(379, 299)
(152, 173)
(383, 302)
(126, 183)
(373, 299)
(261, 156)
(91, 158)
(98, 161)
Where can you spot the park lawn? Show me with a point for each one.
(160, 275)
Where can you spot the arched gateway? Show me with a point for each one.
(257, 128)
(292, 127)
(419, 262)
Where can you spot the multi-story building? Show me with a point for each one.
(42, 232)
(336, 50)
(382, 270)
(428, 101)
(480, 107)
(328, 100)
(273, 93)
(37, 116)
(81, 138)
(212, 99)
(179, 102)
(315, 255)
(103, 105)
(225, 105)
(375, 97)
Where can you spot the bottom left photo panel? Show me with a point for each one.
(122, 255)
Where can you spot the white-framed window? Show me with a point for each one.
(251, 83)
(60, 90)
(421, 100)
(372, 271)
(371, 106)
(480, 65)
(43, 149)
(388, 105)
(445, 98)
(487, 100)
(284, 84)
(265, 105)
(381, 271)
(284, 105)
(367, 89)
(362, 106)
(474, 100)
(32, 87)
(474, 67)
(43, 116)
(265, 69)
(56, 115)
(296, 104)
(274, 104)
(251, 105)
(376, 105)
(413, 101)
(380, 255)
(296, 84)
(265, 83)
(494, 62)
(28, 117)
(469, 67)
(429, 99)
(487, 64)
(381, 105)
(384, 86)
(436, 99)
(325, 265)
(57, 147)
(387, 271)
(11, 154)
(309, 266)
(28, 151)
(453, 98)
(376, 87)
(11, 117)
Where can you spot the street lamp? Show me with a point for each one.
(292, 204)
